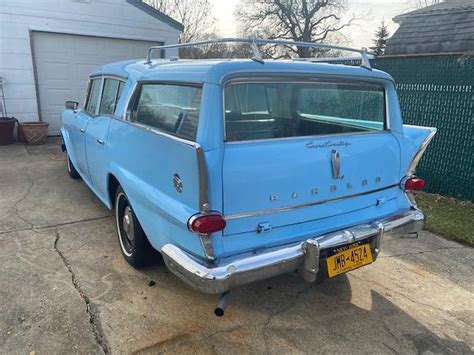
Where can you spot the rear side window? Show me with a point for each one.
(170, 108)
(93, 98)
(296, 109)
(110, 96)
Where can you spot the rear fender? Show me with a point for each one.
(413, 143)
(162, 218)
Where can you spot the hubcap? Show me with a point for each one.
(127, 223)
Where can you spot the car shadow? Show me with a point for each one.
(285, 314)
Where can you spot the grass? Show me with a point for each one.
(448, 217)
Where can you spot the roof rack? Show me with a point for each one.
(257, 55)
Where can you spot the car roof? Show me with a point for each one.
(217, 70)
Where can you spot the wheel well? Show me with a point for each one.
(113, 185)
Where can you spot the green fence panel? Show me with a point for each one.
(438, 91)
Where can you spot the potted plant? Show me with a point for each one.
(35, 132)
(7, 124)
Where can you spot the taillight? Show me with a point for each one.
(207, 223)
(414, 184)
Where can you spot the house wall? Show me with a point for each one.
(103, 18)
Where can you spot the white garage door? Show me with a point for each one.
(63, 63)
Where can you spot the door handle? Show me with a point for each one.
(100, 141)
(82, 130)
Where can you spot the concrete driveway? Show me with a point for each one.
(64, 287)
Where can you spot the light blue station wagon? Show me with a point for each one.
(241, 170)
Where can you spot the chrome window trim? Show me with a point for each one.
(310, 204)
(136, 89)
(102, 81)
(202, 167)
(110, 77)
(264, 140)
(286, 79)
(161, 133)
(86, 96)
(91, 80)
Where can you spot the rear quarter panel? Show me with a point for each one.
(144, 164)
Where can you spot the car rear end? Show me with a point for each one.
(313, 172)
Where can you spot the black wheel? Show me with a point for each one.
(71, 170)
(134, 244)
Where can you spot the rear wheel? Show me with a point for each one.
(71, 170)
(134, 244)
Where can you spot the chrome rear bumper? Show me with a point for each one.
(303, 256)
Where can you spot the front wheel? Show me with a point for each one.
(134, 244)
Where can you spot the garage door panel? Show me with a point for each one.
(54, 71)
(84, 69)
(63, 63)
(52, 43)
(87, 46)
(113, 48)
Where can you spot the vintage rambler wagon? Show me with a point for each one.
(240, 170)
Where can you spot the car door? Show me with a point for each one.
(97, 134)
(82, 119)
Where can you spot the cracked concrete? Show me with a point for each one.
(90, 309)
(64, 287)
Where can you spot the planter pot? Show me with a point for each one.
(35, 132)
(20, 136)
(7, 124)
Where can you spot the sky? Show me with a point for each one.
(359, 35)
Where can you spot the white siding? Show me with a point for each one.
(102, 18)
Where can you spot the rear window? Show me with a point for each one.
(296, 109)
(173, 109)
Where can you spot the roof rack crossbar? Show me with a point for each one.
(254, 42)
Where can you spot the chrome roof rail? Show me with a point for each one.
(257, 55)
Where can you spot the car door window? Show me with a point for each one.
(119, 93)
(93, 98)
(110, 96)
(173, 109)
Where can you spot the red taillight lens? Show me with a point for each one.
(208, 223)
(414, 184)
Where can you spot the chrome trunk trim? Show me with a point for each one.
(291, 208)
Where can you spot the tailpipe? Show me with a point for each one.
(222, 304)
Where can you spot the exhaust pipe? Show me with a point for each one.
(222, 304)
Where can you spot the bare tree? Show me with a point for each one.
(298, 20)
(199, 24)
(195, 15)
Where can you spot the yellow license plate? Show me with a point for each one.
(352, 258)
